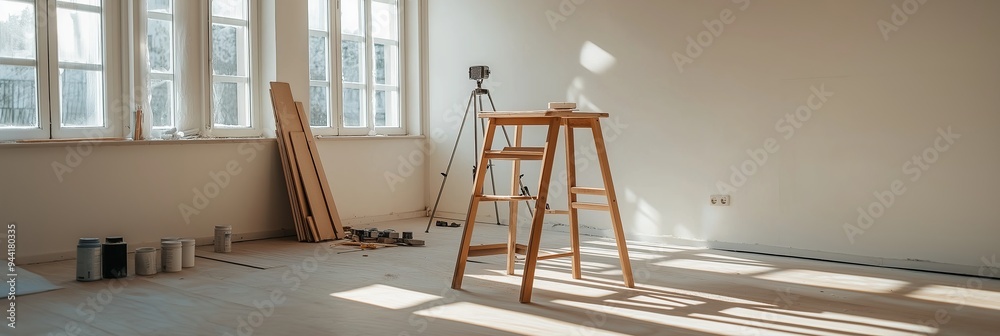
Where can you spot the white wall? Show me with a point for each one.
(139, 190)
(682, 131)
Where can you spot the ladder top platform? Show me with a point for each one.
(542, 114)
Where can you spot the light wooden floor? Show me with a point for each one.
(404, 291)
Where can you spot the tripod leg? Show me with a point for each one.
(450, 161)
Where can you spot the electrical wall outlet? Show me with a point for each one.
(720, 200)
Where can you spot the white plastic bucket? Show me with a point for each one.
(223, 239)
(187, 247)
(88, 259)
(172, 257)
(145, 261)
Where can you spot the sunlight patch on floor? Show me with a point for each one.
(682, 322)
(713, 266)
(814, 326)
(386, 296)
(835, 280)
(546, 285)
(956, 296)
(509, 321)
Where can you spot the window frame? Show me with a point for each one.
(47, 68)
(253, 73)
(335, 69)
(172, 75)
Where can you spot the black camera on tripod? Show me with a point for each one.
(479, 72)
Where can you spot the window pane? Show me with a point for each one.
(81, 93)
(317, 58)
(352, 66)
(161, 102)
(230, 104)
(386, 108)
(17, 30)
(319, 114)
(160, 6)
(318, 13)
(350, 20)
(386, 64)
(160, 40)
(79, 36)
(385, 21)
(229, 52)
(18, 101)
(353, 107)
(236, 9)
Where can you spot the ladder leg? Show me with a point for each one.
(515, 189)
(534, 241)
(616, 217)
(470, 219)
(574, 224)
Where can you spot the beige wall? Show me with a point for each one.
(139, 190)
(681, 129)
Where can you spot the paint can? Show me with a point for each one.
(145, 261)
(187, 246)
(114, 258)
(88, 259)
(171, 256)
(223, 238)
(407, 235)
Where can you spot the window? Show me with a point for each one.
(19, 67)
(365, 73)
(53, 81)
(160, 44)
(231, 65)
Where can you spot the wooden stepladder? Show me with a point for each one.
(554, 120)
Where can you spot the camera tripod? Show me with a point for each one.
(475, 106)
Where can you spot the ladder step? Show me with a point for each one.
(555, 255)
(502, 198)
(591, 206)
(516, 153)
(556, 212)
(494, 249)
(589, 191)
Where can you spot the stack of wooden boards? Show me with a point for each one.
(315, 214)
